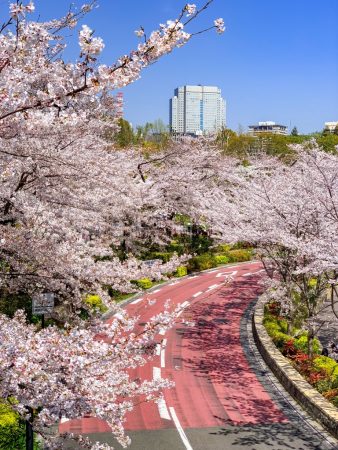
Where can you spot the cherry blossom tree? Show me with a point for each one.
(65, 195)
(66, 198)
(288, 211)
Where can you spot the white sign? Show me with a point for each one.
(151, 262)
(43, 303)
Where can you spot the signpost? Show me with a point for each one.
(151, 262)
(43, 304)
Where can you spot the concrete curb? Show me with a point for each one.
(310, 399)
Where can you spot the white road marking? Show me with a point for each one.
(179, 313)
(163, 410)
(197, 294)
(136, 301)
(180, 429)
(154, 292)
(173, 283)
(164, 342)
(163, 357)
(156, 373)
(184, 304)
(64, 420)
(224, 274)
(247, 274)
(213, 286)
(162, 332)
(162, 406)
(158, 349)
(194, 276)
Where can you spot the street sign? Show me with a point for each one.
(151, 262)
(43, 303)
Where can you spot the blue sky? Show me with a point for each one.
(276, 61)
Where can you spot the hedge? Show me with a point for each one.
(239, 255)
(221, 259)
(12, 431)
(181, 271)
(143, 283)
(95, 302)
(201, 262)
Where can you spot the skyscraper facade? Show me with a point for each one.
(197, 110)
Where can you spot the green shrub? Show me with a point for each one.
(271, 327)
(275, 323)
(221, 259)
(323, 386)
(301, 344)
(12, 431)
(239, 255)
(240, 245)
(144, 283)
(223, 248)
(181, 271)
(280, 339)
(95, 303)
(163, 256)
(201, 262)
(176, 247)
(329, 365)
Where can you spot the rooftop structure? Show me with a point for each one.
(268, 127)
(331, 126)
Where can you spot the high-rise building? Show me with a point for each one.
(197, 110)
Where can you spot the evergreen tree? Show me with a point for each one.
(294, 131)
(125, 135)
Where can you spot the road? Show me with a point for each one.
(224, 398)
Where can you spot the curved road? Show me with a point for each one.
(223, 397)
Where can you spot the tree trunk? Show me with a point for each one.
(29, 431)
(310, 345)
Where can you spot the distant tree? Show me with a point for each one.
(125, 135)
(335, 131)
(159, 127)
(294, 131)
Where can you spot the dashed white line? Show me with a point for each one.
(162, 406)
(156, 290)
(158, 349)
(213, 286)
(163, 410)
(247, 274)
(163, 357)
(185, 304)
(156, 373)
(180, 429)
(197, 294)
(64, 420)
(136, 301)
(179, 313)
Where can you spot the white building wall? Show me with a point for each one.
(197, 110)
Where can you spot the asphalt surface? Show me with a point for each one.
(224, 396)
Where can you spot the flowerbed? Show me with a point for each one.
(320, 371)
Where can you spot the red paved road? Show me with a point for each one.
(214, 383)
